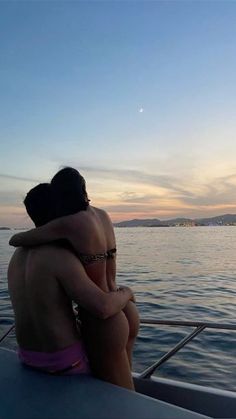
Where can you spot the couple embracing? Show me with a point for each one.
(70, 258)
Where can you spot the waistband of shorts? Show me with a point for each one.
(60, 361)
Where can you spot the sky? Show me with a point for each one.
(139, 96)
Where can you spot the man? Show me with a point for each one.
(43, 281)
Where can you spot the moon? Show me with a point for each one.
(141, 110)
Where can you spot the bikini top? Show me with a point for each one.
(87, 259)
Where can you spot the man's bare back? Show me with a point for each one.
(44, 316)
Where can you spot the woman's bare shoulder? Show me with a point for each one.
(100, 212)
(80, 219)
(62, 226)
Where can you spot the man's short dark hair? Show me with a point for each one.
(39, 204)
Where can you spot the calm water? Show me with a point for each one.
(176, 273)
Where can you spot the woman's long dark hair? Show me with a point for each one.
(69, 191)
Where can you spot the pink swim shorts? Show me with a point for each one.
(69, 361)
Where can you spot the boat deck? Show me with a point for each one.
(27, 394)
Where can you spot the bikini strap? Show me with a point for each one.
(86, 259)
(111, 253)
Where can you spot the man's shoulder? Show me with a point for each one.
(58, 247)
(19, 254)
(53, 253)
(60, 261)
(54, 257)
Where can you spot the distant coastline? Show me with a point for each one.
(13, 228)
(220, 220)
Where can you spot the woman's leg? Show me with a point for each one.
(106, 342)
(132, 315)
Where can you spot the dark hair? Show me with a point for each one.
(39, 204)
(65, 195)
(69, 190)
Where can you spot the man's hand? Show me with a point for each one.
(127, 289)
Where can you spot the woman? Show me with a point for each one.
(90, 232)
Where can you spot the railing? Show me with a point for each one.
(6, 333)
(199, 327)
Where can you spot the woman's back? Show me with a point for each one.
(91, 234)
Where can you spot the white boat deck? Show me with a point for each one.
(27, 394)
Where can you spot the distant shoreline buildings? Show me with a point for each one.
(221, 220)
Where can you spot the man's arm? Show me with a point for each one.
(79, 287)
(54, 230)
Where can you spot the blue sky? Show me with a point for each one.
(138, 95)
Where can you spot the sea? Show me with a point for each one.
(176, 273)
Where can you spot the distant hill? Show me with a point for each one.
(226, 219)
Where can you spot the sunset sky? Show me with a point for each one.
(140, 96)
